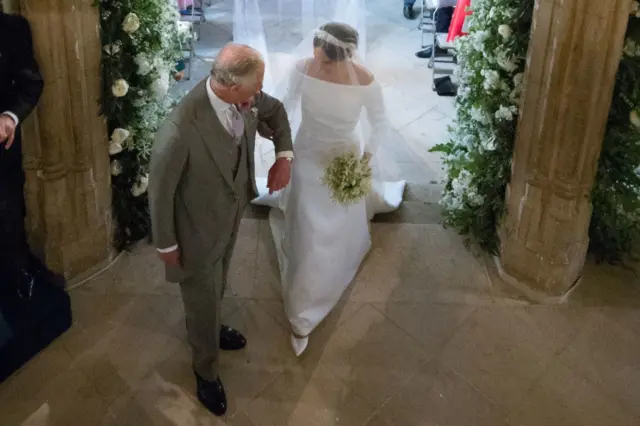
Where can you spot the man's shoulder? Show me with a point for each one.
(190, 102)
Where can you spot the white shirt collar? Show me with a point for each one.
(218, 104)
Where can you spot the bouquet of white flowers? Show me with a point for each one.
(349, 178)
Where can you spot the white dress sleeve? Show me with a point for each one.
(292, 92)
(377, 131)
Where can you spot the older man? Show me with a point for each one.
(202, 178)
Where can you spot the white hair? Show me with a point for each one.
(238, 71)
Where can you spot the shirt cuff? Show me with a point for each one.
(285, 154)
(168, 249)
(13, 116)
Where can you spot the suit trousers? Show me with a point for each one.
(202, 294)
(14, 250)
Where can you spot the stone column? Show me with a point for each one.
(68, 189)
(573, 58)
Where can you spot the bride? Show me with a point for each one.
(320, 243)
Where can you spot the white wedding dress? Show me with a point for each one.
(321, 244)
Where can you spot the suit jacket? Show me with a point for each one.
(20, 80)
(191, 184)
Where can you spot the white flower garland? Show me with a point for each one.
(492, 59)
(142, 45)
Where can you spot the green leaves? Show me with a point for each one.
(478, 155)
(480, 147)
(145, 58)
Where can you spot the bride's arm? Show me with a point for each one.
(377, 119)
(292, 90)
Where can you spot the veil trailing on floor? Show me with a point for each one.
(294, 27)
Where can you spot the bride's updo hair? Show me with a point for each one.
(338, 41)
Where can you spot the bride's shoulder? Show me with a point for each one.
(365, 77)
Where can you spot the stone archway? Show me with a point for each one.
(574, 52)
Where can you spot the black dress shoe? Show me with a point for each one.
(212, 396)
(231, 340)
(408, 12)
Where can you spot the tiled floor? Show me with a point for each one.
(424, 336)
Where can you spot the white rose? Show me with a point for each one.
(131, 23)
(506, 113)
(115, 148)
(119, 135)
(120, 88)
(140, 187)
(634, 118)
(116, 168)
(504, 31)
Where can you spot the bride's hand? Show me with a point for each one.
(367, 157)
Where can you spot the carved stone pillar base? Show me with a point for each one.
(573, 58)
(68, 190)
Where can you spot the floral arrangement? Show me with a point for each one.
(141, 47)
(615, 224)
(349, 178)
(477, 157)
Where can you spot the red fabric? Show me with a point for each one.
(457, 22)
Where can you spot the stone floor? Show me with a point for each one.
(426, 335)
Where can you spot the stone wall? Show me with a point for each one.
(66, 161)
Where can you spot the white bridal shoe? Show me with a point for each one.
(299, 344)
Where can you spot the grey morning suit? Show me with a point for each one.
(201, 180)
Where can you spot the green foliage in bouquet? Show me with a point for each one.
(141, 45)
(615, 224)
(349, 179)
(477, 157)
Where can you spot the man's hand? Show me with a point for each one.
(171, 258)
(7, 131)
(279, 175)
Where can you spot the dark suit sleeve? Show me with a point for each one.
(272, 113)
(23, 69)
